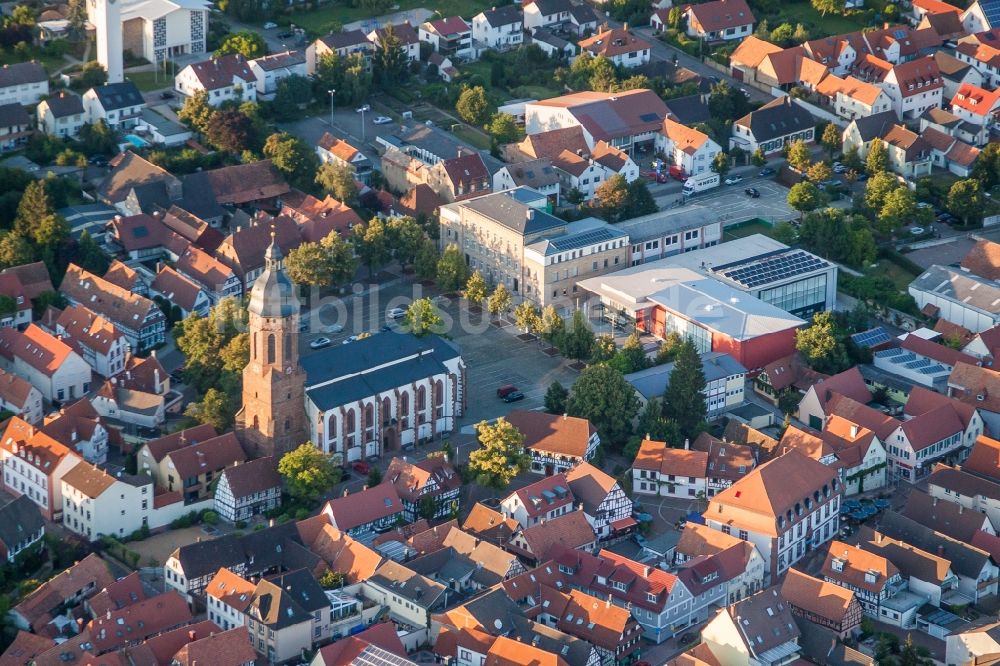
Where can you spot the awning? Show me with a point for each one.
(623, 524)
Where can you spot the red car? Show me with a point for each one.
(360, 466)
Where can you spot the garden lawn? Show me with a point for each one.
(328, 19)
(472, 137)
(817, 24)
(146, 81)
(899, 275)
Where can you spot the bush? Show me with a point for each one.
(210, 518)
(187, 520)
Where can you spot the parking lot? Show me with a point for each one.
(494, 355)
(731, 202)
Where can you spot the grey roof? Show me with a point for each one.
(20, 73)
(689, 110)
(164, 126)
(281, 60)
(505, 15)
(445, 565)
(966, 289)
(666, 222)
(579, 234)
(572, 649)
(875, 125)
(259, 550)
(152, 196)
(344, 373)
(966, 560)
(823, 647)
(533, 173)
(408, 584)
(652, 382)
(777, 119)
(503, 209)
(113, 96)
(88, 217)
(549, 7)
(583, 14)
(64, 104)
(303, 588)
(20, 522)
(546, 36)
(199, 197)
(13, 115)
(340, 40)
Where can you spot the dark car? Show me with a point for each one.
(506, 390)
(947, 218)
(513, 396)
(752, 192)
(285, 35)
(766, 171)
(862, 177)
(98, 161)
(166, 94)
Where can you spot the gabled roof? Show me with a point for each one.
(984, 458)
(817, 597)
(15, 390)
(775, 119)
(613, 115)
(983, 260)
(503, 15)
(20, 523)
(966, 559)
(211, 455)
(64, 104)
(553, 433)
(946, 517)
(41, 350)
(590, 486)
(722, 14)
(255, 476)
(226, 648)
(176, 288)
(765, 621)
(859, 568)
(282, 60)
(444, 27)
(121, 306)
(570, 530)
(848, 383)
(543, 496)
(37, 608)
(22, 73)
(361, 508)
(129, 171)
(751, 51)
(973, 385)
(770, 492)
(217, 73)
(121, 95)
(412, 479)
(489, 524)
(613, 42)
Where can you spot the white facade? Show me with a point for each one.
(500, 38)
(534, 18)
(909, 104)
(30, 410)
(233, 509)
(698, 161)
(68, 382)
(25, 94)
(25, 474)
(239, 91)
(106, 16)
(159, 30)
(269, 76)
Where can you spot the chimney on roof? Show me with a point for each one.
(940, 550)
(854, 430)
(933, 501)
(625, 26)
(192, 635)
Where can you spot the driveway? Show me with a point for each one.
(159, 546)
(944, 254)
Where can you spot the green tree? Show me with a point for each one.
(500, 456)
(15, 250)
(804, 197)
(782, 34)
(604, 348)
(819, 172)
(427, 507)
(720, 164)
(37, 219)
(200, 340)
(503, 127)
(555, 398)
(801, 34)
(214, 408)
(92, 74)
(231, 130)
(452, 271)
(799, 156)
(473, 106)
(601, 395)
(309, 264)
(684, 400)
(426, 263)
(405, 238)
(246, 43)
(987, 167)
(603, 76)
(965, 199)
(668, 348)
(878, 158)
(820, 346)
(784, 232)
(332, 580)
(553, 327)
(76, 15)
(390, 64)
(292, 157)
(292, 94)
(371, 243)
(196, 112)
(500, 301)
(612, 197)
(631, 357)
(831, 139)
(898, 207)
(877, 189)
(526, 317)
(97, 138)
(825, 7)
(340, 258)
(578, 340)
(475, 288)
(90, 255)
(758, 158)
(423, 317)
(308, 472)
(652, 425)
(374, 476)
(338, 180)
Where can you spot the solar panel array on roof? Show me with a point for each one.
(648, 117)
(991, 10)
(376, 656)
(910, 361)
(776, 266)
(871, 337)
(581, 239)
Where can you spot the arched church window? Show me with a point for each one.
(270, 348)
(288, 348)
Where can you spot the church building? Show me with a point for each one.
(371, 397)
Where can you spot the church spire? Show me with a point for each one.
(273, 256)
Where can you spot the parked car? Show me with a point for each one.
(333, 328)
(98, 161)
(166, 94)
(285, 35)
(361, 467)
(320, 342)
(506, 390)
(362, 109)
(918, 231)
(397, 313)
(752, 192)
(382, 120)
(765, 172)
(270, 25)
(862, 177)
(513, 396)
(349, 340)
(732, 180)
(947, 218)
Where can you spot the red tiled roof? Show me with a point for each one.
(722, 14)
(364, 507)
(41, 350)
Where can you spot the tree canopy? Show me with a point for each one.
(684, 400)
(602, 395)
(500, 456)
(308, 472)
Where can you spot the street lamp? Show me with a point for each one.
(364, 107)
(332, 92)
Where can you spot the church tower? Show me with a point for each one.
(106, 15)
(273, 419)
